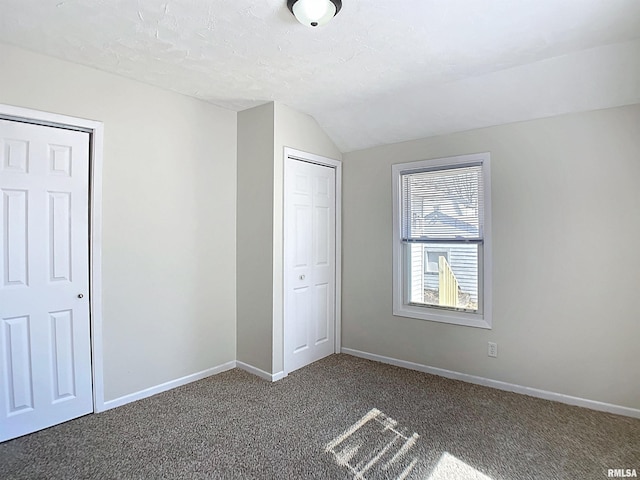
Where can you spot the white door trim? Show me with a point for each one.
(337, 165)
(96, 130)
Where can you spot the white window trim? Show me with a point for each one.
(403, 309)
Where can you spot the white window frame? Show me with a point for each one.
(401, 305)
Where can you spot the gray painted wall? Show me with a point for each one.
(255, 236)
(561, 188)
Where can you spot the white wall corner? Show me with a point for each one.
(270, 377)
(148, 392)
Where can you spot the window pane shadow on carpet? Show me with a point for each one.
(377, 447)
(342, 417)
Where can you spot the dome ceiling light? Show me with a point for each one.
(314, 13)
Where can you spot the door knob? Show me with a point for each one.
(80, 295)
(302, 277)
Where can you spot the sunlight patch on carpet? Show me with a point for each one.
(375, 447)
(449, 467)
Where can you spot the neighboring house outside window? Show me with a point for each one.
(442, 244)
(432, 258)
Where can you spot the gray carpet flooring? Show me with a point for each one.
(339, 418)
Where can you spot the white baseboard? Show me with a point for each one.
(271, 377)
(167, 386)
(509, 387)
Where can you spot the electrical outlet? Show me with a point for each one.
(493, 349)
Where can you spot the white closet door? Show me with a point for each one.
(310, 268)
(45, 353)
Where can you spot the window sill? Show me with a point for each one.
(443, 316)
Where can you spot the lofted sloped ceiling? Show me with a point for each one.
(382, 71)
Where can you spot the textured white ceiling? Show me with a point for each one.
(380, 72)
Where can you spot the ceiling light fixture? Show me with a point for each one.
(314, 13)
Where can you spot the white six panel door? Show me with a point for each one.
(45, 353)
(310, 269)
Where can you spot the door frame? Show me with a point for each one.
(95, 130)
(291, 153)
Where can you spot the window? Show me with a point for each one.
(442, 244)
(432, 258)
